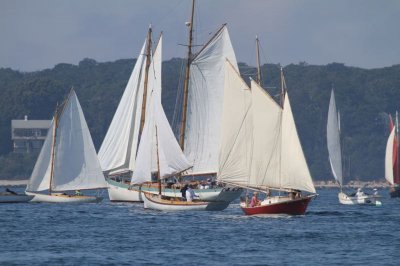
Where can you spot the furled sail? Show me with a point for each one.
(333, 141)
(40, 177)
(119, 147)
(389, 165)
(237, 129)
(205, 101)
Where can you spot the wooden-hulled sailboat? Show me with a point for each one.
(335, 159)
(159, 154)
(392, 170)
(68, 159)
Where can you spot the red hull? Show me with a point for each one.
(293, 207)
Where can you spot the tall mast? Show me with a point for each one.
(258, 62)
(186, 84)
(158, 164)
(283, 88)
(53, 153)
(146, 77)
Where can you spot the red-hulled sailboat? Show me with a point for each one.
(392, 171)
(266, 141)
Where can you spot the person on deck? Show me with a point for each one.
(183, 191)
(254, 200)
(190, 195)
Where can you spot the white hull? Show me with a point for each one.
(151, 201)
(61, 198)
(359, 200)
(15, 198)
(121, 192)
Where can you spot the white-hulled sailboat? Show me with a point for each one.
(68, 159)
(335, 159)
(392, 170)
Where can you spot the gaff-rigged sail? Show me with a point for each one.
(205, 101)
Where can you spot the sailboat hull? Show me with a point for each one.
(118, 191)
(63, 198)
(359, 200)
(155, 202)
(279, 205)
(15, 198)
(395, 192)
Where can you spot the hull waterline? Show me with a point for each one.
(62, 198)
(279, 205)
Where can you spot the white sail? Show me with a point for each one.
(294, 173)
(237, 129)
(76, 165)
(40, 177)
(267, 116)
(170, 156)
(205, 98)
(389, 158)
(119, 146)
(333, 141)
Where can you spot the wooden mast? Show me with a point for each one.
(53, 153)
(158, 164)
(283, 87)
(146, 77)
(186, 84)
(258, 62)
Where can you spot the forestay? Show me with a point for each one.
(333, 141)
(119, 147)
(205, 103)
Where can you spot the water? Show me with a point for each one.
(126, 234)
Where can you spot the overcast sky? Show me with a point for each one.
(39, 34)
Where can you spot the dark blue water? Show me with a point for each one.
(126, 234)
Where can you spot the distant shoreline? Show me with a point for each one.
(11, 183)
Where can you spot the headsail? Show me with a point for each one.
(40, 177)
(206, 95)
(119, 146)
(236, 130)
(171, 158)
(333, 141)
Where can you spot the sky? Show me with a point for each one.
(39, 34)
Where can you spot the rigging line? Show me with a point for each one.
(168, 13)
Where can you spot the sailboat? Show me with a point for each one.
(335, 159)
(68, 159)
(263, 147)
(392, 170)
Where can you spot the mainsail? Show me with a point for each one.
(333, 140)
(119, 147)
(75, 162)
(205, 101)
(259, 141)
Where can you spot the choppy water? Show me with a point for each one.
(126, 234)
